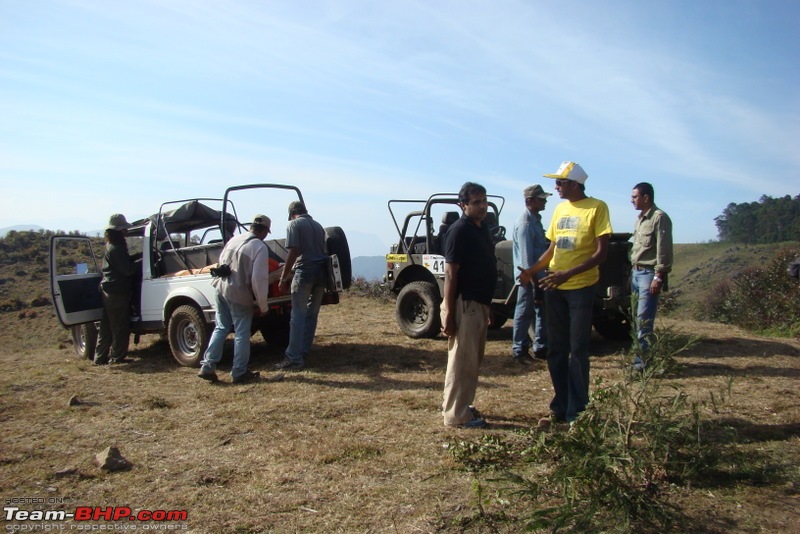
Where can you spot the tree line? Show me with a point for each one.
(770, 220)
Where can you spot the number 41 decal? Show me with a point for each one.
(434, 263)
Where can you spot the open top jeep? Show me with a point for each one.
(180, 244)
(415, 269)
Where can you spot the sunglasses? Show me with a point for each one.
(562, 182)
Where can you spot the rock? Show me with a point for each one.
(111, 460)
(67, 471)
(75, 401)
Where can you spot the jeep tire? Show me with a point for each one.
(614, 326)
(336, 243)
(188, 335)
(84, 339)
(417, 311)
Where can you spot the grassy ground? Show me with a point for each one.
(355, 442)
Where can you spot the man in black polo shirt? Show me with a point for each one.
(469, 280)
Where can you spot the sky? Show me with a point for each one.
(112, 107)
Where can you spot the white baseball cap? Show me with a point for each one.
(569, 170)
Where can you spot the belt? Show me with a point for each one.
(641, 267)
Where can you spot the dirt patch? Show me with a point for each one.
(354, 443)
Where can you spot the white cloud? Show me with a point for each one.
(377, 99)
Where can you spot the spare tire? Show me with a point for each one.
(336, 243)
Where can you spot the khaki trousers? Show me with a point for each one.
(464, 356)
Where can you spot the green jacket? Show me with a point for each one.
(119, 270)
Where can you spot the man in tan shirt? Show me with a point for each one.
(651, 257)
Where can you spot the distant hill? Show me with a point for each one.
(20, 228)
(370, 268)
(360, 243)
(363, 244)
(700, 267)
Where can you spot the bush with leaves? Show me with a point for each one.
(370, 289)
(488, 453)
(10, 305)
(612, 469)
(762, 300)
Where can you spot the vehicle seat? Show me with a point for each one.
(448, 218)
(498, 232)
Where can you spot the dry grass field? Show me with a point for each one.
(355, 442)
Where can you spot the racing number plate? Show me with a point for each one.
(434, 263)
(396, 258)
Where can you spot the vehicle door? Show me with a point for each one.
(75, 280)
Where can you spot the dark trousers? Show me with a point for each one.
(115, 329)
(569, 326)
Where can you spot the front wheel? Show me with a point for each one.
(417, 311)
(84, 339)
(498, 321)
(188, 335)
(499, 316)
(615, 326)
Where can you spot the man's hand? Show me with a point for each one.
(553, 280)
(285, 285)
(524, 278)
(656, 286)
(448, 324)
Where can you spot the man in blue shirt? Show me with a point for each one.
(305, 239)
(529, 245)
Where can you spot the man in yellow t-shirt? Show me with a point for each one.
(579, 232)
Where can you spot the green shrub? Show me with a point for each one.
(660, 358)
(613, 468)
(13, 304)
(759, 299)
(40, 301)
(370, 289)
(668, 302)
(489, 452)
(611, 471)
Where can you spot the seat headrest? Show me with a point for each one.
(449, 217)
(491, 218)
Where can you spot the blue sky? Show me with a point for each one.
(117, 106)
